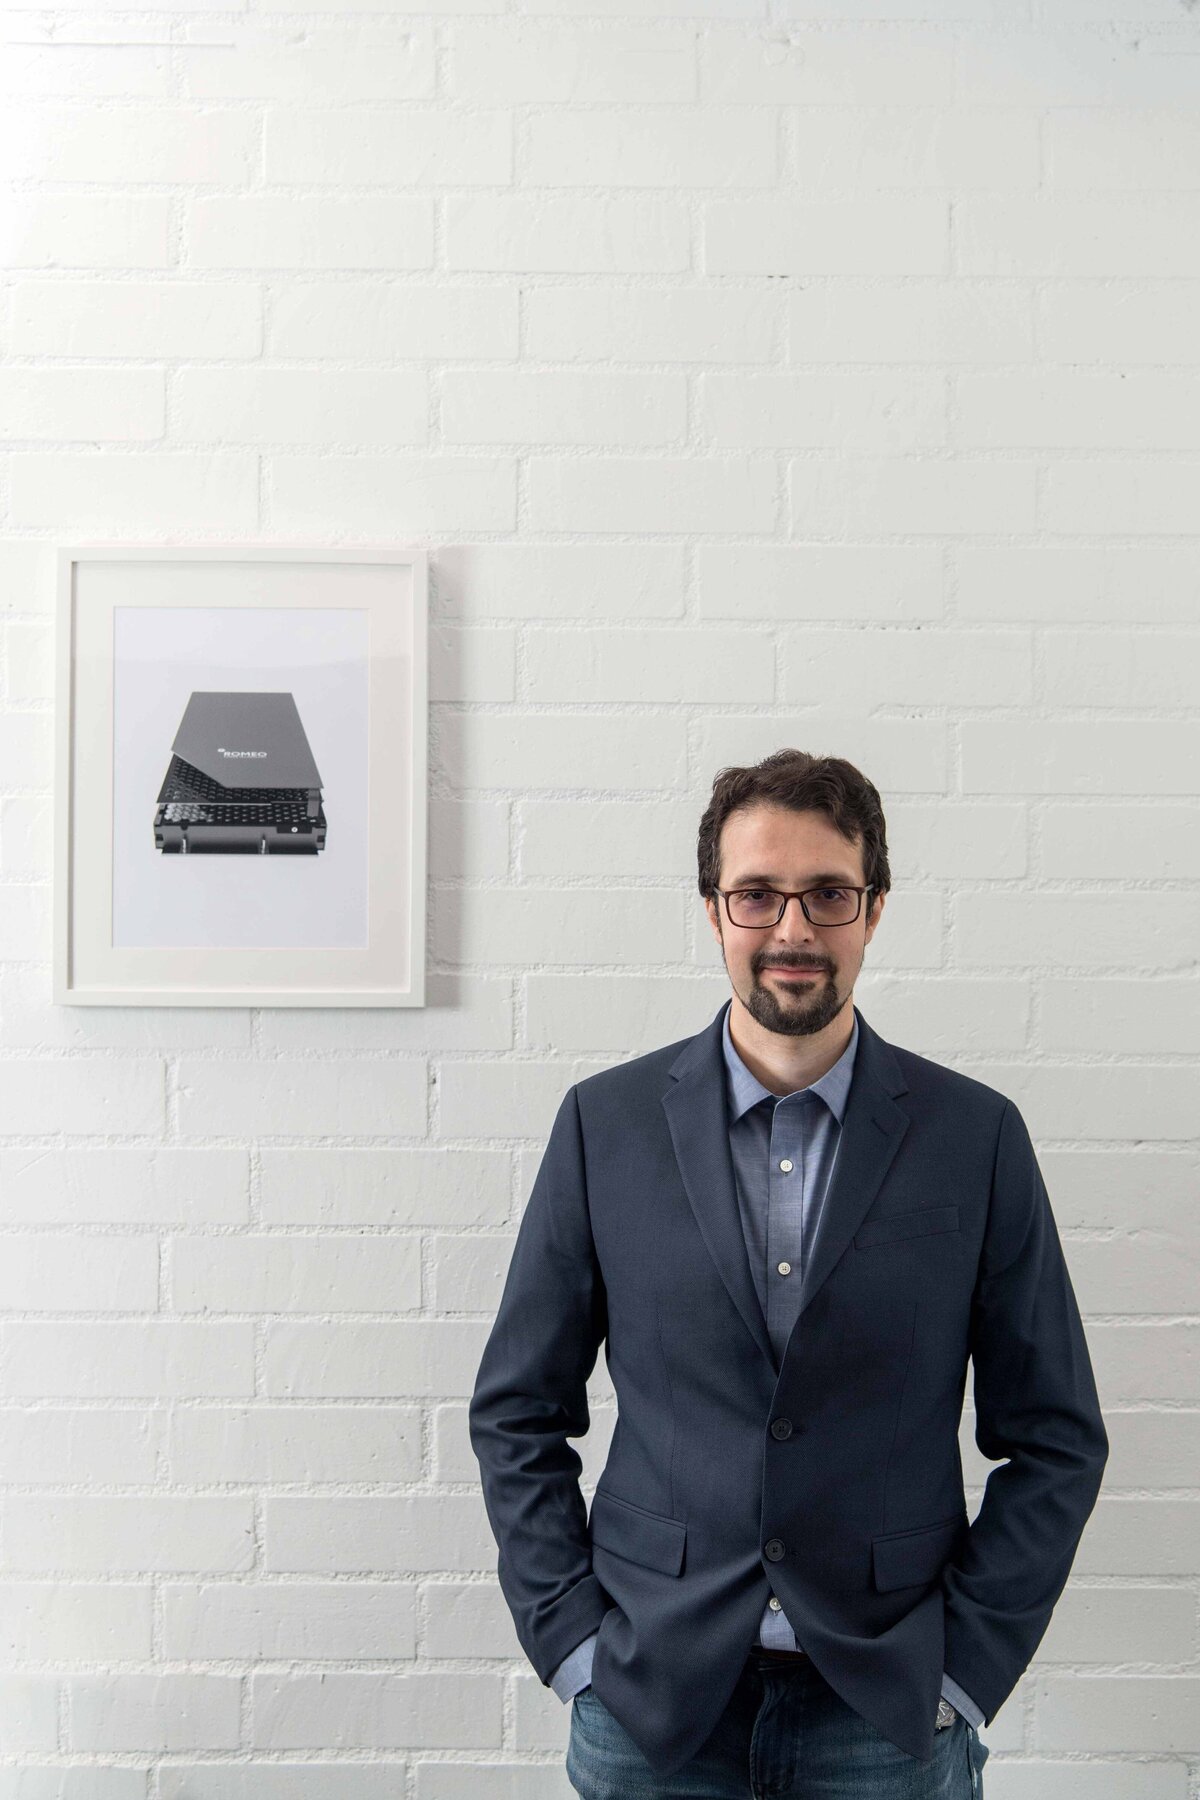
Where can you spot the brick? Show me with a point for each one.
(469, 1273)
(146, 491)
(562, 407)
(386, 495)
(328, 64)
(279, 1274)
(625, 839)
(136, 319)
(38, 1095)
(536, 581)
(472, 665)
(913, 750)
(1115, 498)
(322, 1621)
(305, 1444)
(1098, 842)
(523, 61)
(524, 232)
(665, 146)
(154, 1712)
(674, 663)
(29, 1707)
(507, 923)
(877, 495)
(1116, 150)
(395, 1534)
(683, 494)
(1142, 1713)
(828, 68)
(956, 840)
(1057, 407)
(60, 1445)
(906, 667)
(124, 1184)
(45, 1272)
(850, 237)
(812, 411)
(85, 71)
(348, 1186)
(1061, 237)
(947, 1017)
(31, 1020)
(277, 231)
(163, 144)
(25, 852)
(276, 1780)
(349, 321)
(29, 653)
(1077, 582)
(286, 1098)
(425, 148)
(1145, 1362)
(1057, 67)
(1079, 756)
(1090, 930)
(84, 231)
(843, 149)
(46, 1621)
(407, 1359)
(100, 1534)
(118, 1360)
(301, 406)
(677, 325)
(838, 582)
(368, 1710)
(1120, 668)
(118, 405)
(1148, 1623)
(924, 321)
(470, 1612)
(1121, 321)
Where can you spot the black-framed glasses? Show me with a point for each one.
(752, 908)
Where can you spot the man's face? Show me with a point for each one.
(771, 846)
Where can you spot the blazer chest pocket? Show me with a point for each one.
(892, 1230)
(915, 1558)
(639, 1536)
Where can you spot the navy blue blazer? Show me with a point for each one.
(937, 1245)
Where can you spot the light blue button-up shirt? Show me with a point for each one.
(783, 1149)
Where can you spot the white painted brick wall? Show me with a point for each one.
(757, 372)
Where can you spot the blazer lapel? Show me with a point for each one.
(872, 1129)
(699, 1123)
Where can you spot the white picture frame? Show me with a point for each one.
(346, 631)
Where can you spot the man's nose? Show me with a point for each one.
(794, 925)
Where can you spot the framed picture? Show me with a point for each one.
(240, 790)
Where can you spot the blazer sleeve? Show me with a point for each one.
(1036, 1405)
(531, 1395)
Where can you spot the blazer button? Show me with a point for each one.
(773, 1550)
(781, 1428)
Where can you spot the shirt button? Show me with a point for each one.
(774, 1604)
(786, 1165)
(785, 1268)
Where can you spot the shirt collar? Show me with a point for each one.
(744, 1090)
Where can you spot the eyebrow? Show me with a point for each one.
(773, 880)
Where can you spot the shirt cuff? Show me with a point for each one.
(961, 1702)
(575, 1671)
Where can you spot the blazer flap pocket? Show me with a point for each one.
(914, 1558)
(640, 1536)
(907, 1225)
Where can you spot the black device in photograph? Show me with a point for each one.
(242, 780)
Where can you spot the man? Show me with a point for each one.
(791, 1237)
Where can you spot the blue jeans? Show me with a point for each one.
(785, 1735)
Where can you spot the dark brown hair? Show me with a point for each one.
(802, 783)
